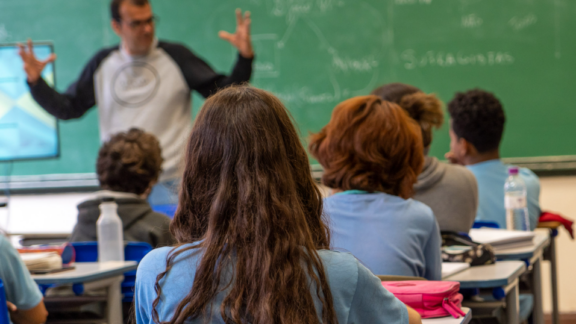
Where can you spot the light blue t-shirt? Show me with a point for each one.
(388, 234)
(20, 289)
(358, 295)
(491, 176)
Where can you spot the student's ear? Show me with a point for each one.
(116, 27)
(468, 148)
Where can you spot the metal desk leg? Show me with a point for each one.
(512, 304)
(554, 274)
(114, 305)
(537, 311)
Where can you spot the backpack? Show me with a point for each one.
(429, 298)
(459, 248)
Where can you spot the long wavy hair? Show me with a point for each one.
(369, 144)
(249, 202)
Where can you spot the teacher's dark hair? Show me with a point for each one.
(249, 202)
(115, 7)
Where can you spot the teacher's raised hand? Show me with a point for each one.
(241, 38)
(32, 66)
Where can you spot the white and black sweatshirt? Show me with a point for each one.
(150, 92)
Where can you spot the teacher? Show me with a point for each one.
(144, 83)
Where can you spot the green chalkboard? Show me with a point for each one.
(316, 53)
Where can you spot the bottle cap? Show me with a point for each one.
(513, 170)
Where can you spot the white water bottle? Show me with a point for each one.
(110, 232)
(515, 202)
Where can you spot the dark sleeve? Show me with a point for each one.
(200, 76)
(77, 99)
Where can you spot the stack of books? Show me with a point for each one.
(42, 261)
(502, 239)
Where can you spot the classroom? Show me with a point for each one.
(287, 161)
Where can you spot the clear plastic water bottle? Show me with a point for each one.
(515, 202)
(110, 232)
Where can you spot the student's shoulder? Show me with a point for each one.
(420, 211)
(342, 270)
(153, 263)
(529, 176)
(6, 249)
(459, 172)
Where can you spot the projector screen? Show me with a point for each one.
(26, 130)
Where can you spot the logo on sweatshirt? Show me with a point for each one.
(135, 84)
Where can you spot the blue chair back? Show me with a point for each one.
(4, 317)
(168, 210)
(133, 251)
(480, 224)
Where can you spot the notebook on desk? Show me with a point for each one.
(450, 268)
(502, 239)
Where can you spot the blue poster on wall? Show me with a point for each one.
(26, 130)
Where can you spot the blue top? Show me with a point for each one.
(388, 234)
(491, 176)
(358, 295)
(20, 289)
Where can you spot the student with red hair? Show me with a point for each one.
(372, 153)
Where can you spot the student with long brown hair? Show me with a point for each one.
(253, 247)
(450, 190)
(372, 154)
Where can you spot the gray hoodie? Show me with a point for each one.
(140, 222)
(452, 193)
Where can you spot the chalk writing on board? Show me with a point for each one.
(299, 96)
(292, 9)
(4, 34)
(471, 21)
(346, 64)
(519, 23)
(268, 63)
(412, 59)
(412, 2)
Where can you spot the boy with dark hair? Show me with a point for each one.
(128, 166)
(476, 126)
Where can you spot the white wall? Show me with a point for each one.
(558, 194)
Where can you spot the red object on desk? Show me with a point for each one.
(552, 217)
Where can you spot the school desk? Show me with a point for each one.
(107, 275)
(533, 256)
(450, 319)
(502, 274)
(550, 255)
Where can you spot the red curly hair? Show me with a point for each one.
(369, 144)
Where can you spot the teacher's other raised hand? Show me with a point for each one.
(241, 38)
(32, 66)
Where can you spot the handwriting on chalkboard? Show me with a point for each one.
(412, 60)
(292, 9)
(412, 2)
(346, 64)
(268, 63)
(519, 23)
(4, 34)
(471, 21)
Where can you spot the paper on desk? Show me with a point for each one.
(42, 260)
(497, 237)
(450, 268)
